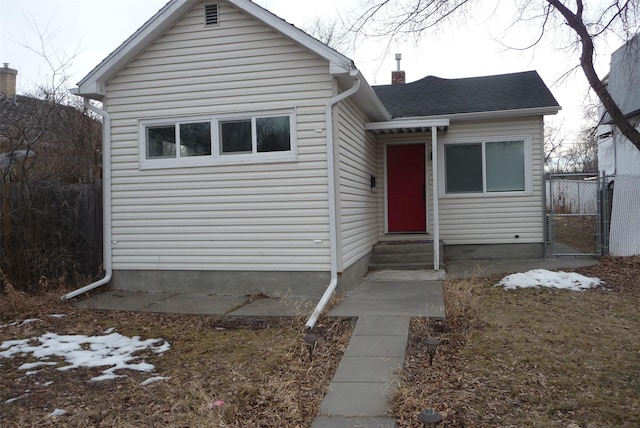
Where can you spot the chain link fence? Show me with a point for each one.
(625, 217)
(577, 214)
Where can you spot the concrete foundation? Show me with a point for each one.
(238, 283)
(230, 283)
(352, 275)
(494, 251)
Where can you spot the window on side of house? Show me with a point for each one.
(486, 167)
(259, 134)
(260, 137)
(178, 140)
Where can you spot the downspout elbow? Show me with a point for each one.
(106, 196)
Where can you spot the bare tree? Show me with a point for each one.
(391, 18)
(581, 154)
(331, 32)
(553, 143)
(50, 148)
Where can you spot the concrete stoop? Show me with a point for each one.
(403, 255)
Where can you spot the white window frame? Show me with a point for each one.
(216, 157)
(528, 179)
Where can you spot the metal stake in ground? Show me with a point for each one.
(431, 344)
(311, 340)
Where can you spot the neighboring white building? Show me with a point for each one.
(617, 157)
(246, 156)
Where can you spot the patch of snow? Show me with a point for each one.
(57, 315)
(21, 323)
(109, 330)
(11, 324)
(544, 278)
(153, 379)
(113, 350)
(57, 412)
(27, 366)
(11, 400)
(49, 383)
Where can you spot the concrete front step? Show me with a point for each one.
(405, 257)
(401, 266)
(402, 258)
(399, 255)
(403, 247)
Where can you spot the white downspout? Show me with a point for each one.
(106, 204)
(436, 217)
(333, 217)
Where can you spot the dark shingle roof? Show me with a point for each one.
(433, 96)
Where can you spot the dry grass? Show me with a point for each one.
(259, 368)
(531, 357)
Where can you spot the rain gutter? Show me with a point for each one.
(333, 217)
(106, 204)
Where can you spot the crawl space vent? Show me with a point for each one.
(211, 14)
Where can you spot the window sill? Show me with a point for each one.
(201, 161)
(484, 195)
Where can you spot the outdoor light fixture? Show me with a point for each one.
(430, 418)
(311, 339)
(431, 344)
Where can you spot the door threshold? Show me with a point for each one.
(404, 237)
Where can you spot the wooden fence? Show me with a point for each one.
(50, 232)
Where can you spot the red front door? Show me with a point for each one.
(406, 197)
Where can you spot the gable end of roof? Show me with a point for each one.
(93, 84)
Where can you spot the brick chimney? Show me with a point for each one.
(398, 77)
(8, 80)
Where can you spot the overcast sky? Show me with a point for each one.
(91, 29)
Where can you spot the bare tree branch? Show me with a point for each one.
(401, 17)
(574, 20)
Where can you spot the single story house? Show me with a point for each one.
(618, 158)
(242, 155)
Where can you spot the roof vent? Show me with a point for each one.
(211, 14)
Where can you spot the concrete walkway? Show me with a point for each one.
(367, 375)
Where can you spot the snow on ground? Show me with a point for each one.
(545, 278)
(30, 320)
(111, 349)
(57, 412)
(153, 379)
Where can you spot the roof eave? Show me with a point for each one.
(410, 123)
(497, 114)
(93, 84)
(338, 63)
(370, 103)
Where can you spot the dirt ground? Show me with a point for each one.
(534, 357)
(221, 372)
(531, 357)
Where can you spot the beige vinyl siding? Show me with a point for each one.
(496, 219)
(358, 206)
(246, 216)
(481, 219)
